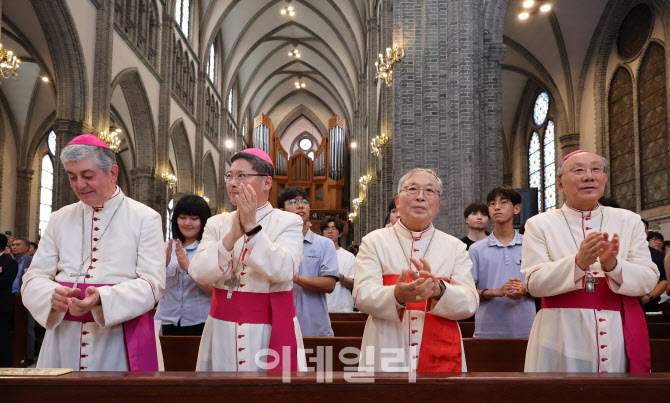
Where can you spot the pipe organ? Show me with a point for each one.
(323, 178)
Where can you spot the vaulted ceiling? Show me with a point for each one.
(255, 39)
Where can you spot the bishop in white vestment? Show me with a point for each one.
(414, 282)
(250, 256)
(112, 247)
(589, 263)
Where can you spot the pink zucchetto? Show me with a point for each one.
(260, 154)
(89, 140)
(573, 153)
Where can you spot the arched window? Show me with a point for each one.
(654, 156)
(168, 221)
(622, 139)
(542, 155)
(182, 15)
(211, 64)
(230, 102)
(47, 183)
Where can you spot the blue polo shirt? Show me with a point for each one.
(493, 264)
(16, 285)
(184, 303)
(319, 259)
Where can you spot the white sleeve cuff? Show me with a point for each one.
(617, 273)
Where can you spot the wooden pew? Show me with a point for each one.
(656, 330)
(482, 355)
(338, 317)
(349, 328)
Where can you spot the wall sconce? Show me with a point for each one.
(364, 180)
(111, 138)
(385, 64)
(229, 144)
(170, 179)
(377, 143)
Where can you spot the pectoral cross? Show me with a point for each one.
(232, 284)
(590, 282)
(77, 275)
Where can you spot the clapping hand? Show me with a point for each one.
(182, 257)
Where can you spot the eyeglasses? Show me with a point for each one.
(239, 178)
(304, 202)
(580, 171)
(501, 203)
(428, 193)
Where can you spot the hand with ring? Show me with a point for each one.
(419, 289)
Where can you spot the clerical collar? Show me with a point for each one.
(113, 201)
(263, 210)
(567, 209)
(405, 232)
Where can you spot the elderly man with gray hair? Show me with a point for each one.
(589, 263)
(99, 271)
(415, 283)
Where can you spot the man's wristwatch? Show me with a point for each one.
(650, 297)
(254, 230)
(442, 289)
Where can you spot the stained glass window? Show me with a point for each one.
(51, 142)
(182, 14)
(168, 220)
(211, 64)
(541, 109)
(47, 183)
(230, 102)
(542, 155)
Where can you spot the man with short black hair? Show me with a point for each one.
(505, 308)
(8, 272)
(318, 272)
(20, 249)
(340, 299)
(476, 216)
(250, 257)
(33, 248)
(655, 240)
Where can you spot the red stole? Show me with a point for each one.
(275, 308)
(139, 332)
(635, 331)
(441, 339)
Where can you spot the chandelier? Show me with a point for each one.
(288, 10)
(171, 179)
(529, 7)
(377, 143)
(385, 64)
(111, 138)
(9, 63)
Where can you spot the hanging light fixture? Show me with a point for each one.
(530, 7)
(111, 137)
(288, 10)
(9, 63)
(299, 83)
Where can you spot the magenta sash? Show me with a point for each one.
(275, 308)
(635, 333)
(139, 335)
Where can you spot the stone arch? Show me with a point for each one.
(209, 181)
(182, 151)
(68, 59)
(141, 116)
(295, 114)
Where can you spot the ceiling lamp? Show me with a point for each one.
(288, 10)
(295, 53)
(9, 63)
(530, 7)
(299, 84)
(111, 138)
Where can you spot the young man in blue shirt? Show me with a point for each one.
(506, 310)
(318, 271)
